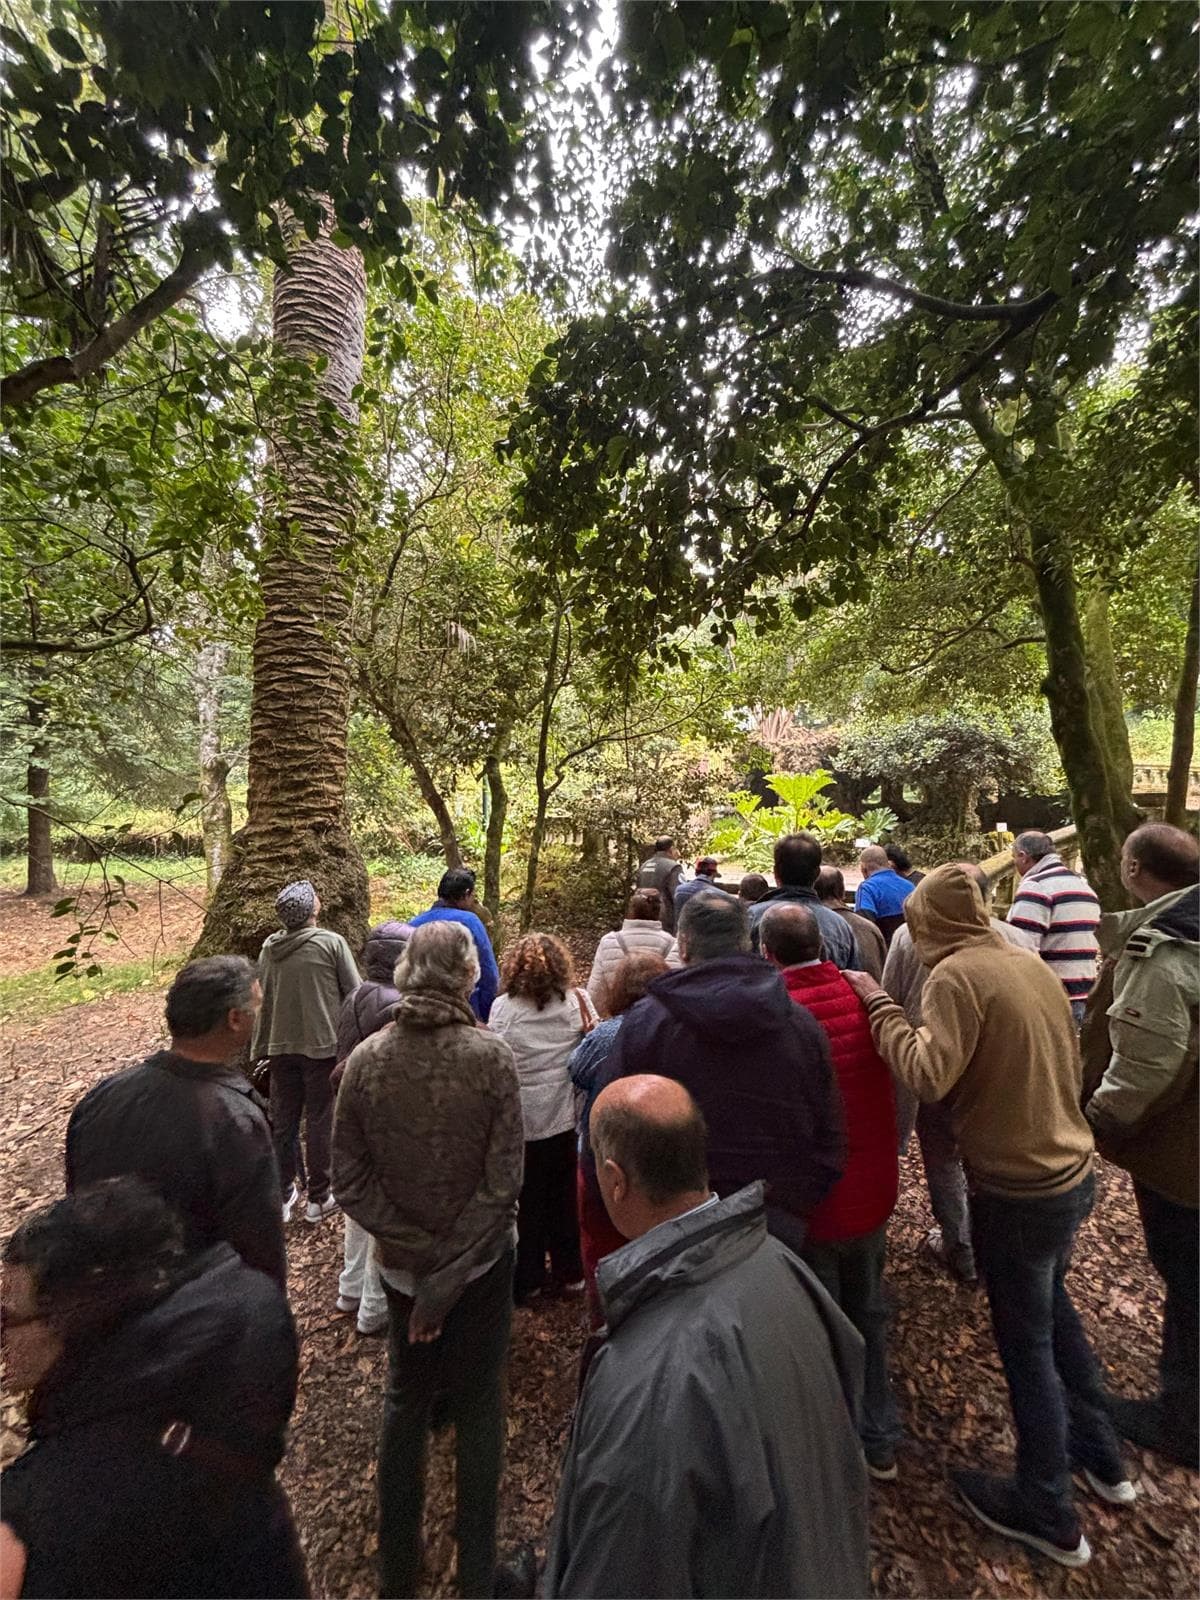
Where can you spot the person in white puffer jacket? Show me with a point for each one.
(641, 933)
(542, 1016)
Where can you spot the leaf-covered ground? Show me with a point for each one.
(950, 1386)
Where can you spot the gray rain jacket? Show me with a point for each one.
(714, 1449)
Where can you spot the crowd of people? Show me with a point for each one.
(702, 1142)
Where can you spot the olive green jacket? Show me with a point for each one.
(1144, 1109)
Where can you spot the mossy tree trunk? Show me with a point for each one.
(1108, 708)
(493, 774)
(1183, 732)
(297, 825)
(1085, 758)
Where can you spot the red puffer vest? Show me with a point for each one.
(864, 1196)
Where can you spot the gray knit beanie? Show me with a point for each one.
(296, 903)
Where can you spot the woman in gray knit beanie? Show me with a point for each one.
(296, 904)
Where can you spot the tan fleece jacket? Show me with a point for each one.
(997, 1031)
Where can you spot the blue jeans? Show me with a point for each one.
(852, 1271)
(1023, 1252)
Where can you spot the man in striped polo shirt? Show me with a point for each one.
(1060, 913)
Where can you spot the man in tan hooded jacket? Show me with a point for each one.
(997, 1034)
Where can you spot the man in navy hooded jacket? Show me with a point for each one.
(755, 1063)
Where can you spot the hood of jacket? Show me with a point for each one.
(278, 946)
(684, 1251)
(1181, 919)
(731, 998)
(945, 913)
(167, 1360)
(434, 1008)
(383, 949)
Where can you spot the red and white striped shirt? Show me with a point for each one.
(1061, 914)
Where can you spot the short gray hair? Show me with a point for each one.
(1034, 845)
(440, 955)
(206, 991)
(713, 924)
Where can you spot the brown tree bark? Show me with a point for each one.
(1183, 732)
(493, 773)
(430, 793)
(39, 855)
(1066, 686)
(297, 824)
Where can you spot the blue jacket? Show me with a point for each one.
(484, 991)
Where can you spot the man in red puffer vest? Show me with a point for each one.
(847, 1232)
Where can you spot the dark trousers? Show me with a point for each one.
(852, 1271)
(546, 1218)
(300, 1088)
(1173, 1245)
(466, 1364)
(1023, 1251)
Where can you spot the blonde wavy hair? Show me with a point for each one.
(539, 967)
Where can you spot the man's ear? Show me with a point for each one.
(616, 1176)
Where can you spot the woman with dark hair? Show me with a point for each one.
(641, 933)
(160, 1388)
(542, 1016)
(597, 1236)
(902, 863)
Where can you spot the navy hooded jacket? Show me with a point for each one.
(758, 1067)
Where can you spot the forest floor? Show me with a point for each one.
(949, 1383)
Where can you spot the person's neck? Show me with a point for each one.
(212, 1050)
(1148, 893)
(679, 1205)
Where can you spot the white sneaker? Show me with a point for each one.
(289, 1202)
(373, 1328)
(317, 1213)
(347, 1305)
(1117, 1494)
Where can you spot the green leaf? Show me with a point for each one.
(66, 44)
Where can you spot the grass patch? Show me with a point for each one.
(33, 996)
(180, 872)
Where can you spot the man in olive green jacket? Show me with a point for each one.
(1145, 1106)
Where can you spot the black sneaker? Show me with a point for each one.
(1144, 1423)
(881, 1462)
(997, 1504)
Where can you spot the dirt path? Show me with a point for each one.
(950, 1386)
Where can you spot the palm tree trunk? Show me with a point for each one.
(296, 825)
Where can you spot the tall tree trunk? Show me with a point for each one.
(297, 825)
(543, 789)
(216, 814)
(493, 773)
(430, 793)
(1108, 708)
(39, 855)
(1066, 685)
(1183, 732)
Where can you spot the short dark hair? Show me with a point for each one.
(205, 992)
(900, 859)
(663, 844)
(456, 884)
(791, 933)
(1168, 853)
(1034, 845)
(662, 1157)
(633, 977)
(103, 1253)
(752, 887)
(830, 885)
(713, 924)
(797, 860)
(708, 865)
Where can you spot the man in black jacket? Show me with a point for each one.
(756, 1064)
(189, 1124)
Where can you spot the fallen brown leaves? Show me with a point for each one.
(948, 1379)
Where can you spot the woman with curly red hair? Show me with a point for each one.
(542, 1016)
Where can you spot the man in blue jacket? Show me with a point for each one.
(456, 893)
